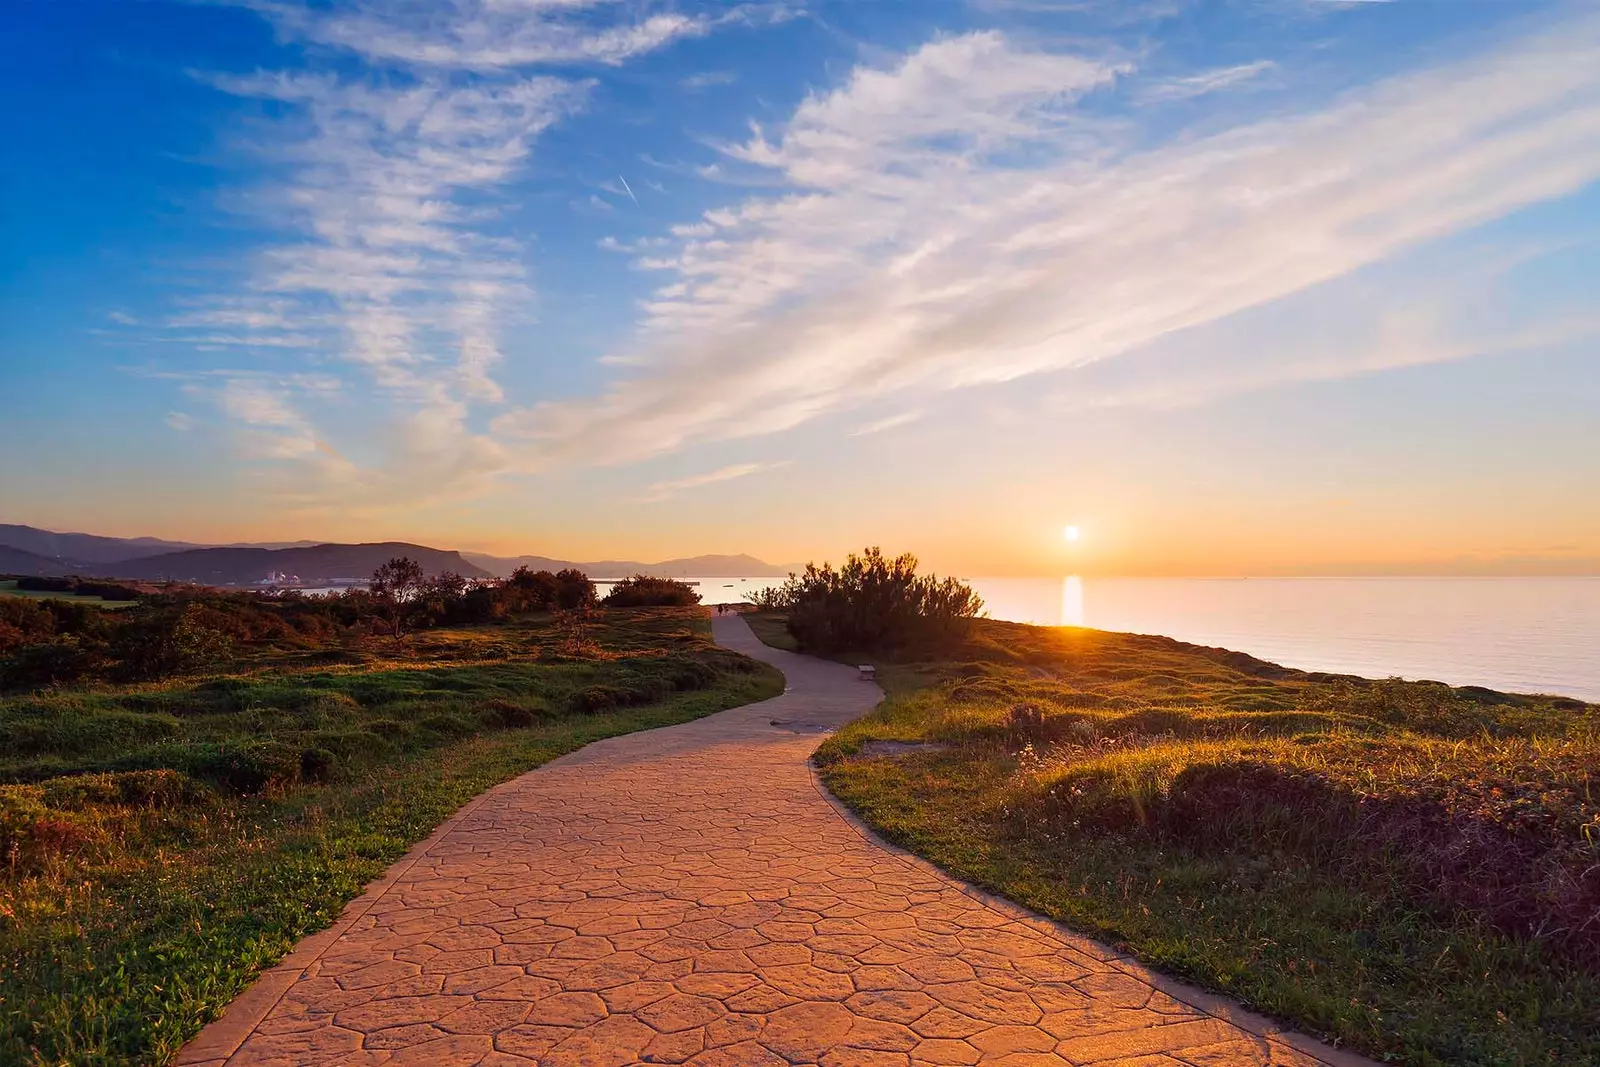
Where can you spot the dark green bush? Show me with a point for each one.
(162, 787)
(63, 659)
(317, 764)
(642, 591)
(240, 767)
(598, 698)
(447, 727)
(871, 603)
(507, 715)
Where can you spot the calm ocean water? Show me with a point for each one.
(1527, 635)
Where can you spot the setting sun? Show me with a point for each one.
(1071, 533)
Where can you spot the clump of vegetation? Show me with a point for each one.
(79, 587)
(184, 629)
(644, 591)
(165, 837)
(1406, 867)
(872, 602)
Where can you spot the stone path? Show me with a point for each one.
(690, 895)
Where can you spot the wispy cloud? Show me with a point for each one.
(890, 422)
(659, 491)
(385, 183)
(709, 78)
(180, 421)
(1207, 81)
(952, 220)
(478, 34)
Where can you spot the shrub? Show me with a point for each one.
(391, 731)
(574, 590)
(644, 591)
(64, 659)
(506, 715)
(1025, 723)
(317, 764)
(162, 787)
(168, 640)
(350, 745)
(448, 727)
(535, 590)
(31, 832)
(598, 698)
(23, 622)
(870, 603)
(240, 767)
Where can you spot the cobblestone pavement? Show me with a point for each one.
(690, 895)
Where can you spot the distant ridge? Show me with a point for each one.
(30, 550)
(736, 566)
(85, 548)
(318, 564)
(18, 561)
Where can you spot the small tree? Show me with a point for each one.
(531, 589)
(395, 587)
(644, 591)
(573, 590)
(871, 602)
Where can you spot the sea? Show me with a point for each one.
(1521, 635)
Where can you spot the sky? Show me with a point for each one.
(1233, 286)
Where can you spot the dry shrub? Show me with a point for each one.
(1456, 824)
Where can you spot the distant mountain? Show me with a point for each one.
(84, 548)
(16, 561)
(82, 551)
(315, 565)
(739, 566)
(30, 550)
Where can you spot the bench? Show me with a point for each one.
(869, 673)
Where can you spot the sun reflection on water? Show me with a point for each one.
(1072, 601)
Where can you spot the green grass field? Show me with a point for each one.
(8, 587)
(1403, 868)
(166, 842)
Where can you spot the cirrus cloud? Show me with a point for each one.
(954, 220)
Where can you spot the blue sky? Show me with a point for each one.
(1240, 287)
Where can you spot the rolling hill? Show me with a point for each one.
(315, 565)
(30, 550)
(81, 548)
(17, 561)
(738, 566)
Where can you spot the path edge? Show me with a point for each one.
(1214, 1005)
(220, 1039)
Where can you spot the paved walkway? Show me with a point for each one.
(690, 895)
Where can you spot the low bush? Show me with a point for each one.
(149, 788)
(243, 766)
(317, 764)
(642, 591)
(870, 603)
(32, 833)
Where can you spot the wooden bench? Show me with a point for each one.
(869, 673)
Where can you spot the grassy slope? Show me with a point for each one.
(143, 921)
(8, 587)
(1071, 812)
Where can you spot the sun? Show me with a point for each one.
(1072, 533)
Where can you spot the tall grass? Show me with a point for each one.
(1402, 866)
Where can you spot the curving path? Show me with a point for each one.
(690, 895)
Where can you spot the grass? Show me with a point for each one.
(169, 841)
(8, 587)
(1403, 868)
